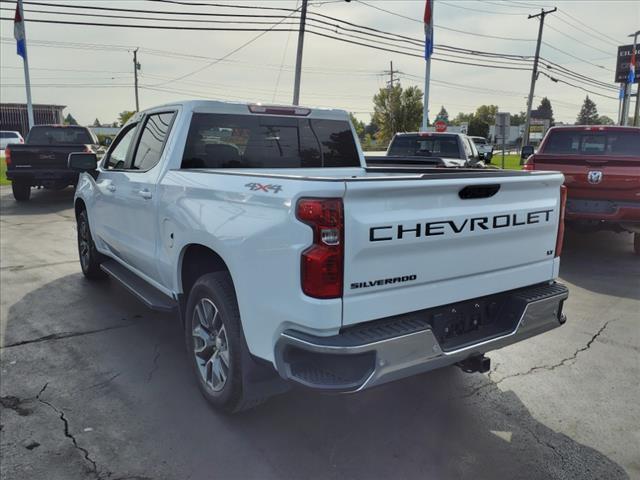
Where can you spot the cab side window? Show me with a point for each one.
(152, 140)
(118, 155)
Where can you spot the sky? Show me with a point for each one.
(90, 68)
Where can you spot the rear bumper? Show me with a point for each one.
(599, 210)
(377, 352)
(37, 177)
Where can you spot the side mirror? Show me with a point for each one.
(83, 162)
(526, 152)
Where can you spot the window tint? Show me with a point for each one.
(118, 154)
(262, 141)
(152, 141)
(590, 143)
(426, 146)
(60, 136)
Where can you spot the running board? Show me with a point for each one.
(146, 293)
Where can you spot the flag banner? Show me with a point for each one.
(621, 94)
(18, 33)
(632, 68)
(428, 29)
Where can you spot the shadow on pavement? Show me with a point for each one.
(602, 262)
(132, 385)
(42, 201)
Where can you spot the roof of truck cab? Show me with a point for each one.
(219, 106)
(595, 128)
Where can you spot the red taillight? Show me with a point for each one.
(563, 204)
(7, 156)
(322, 262)
(530, 164)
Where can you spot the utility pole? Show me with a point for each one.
(534, 73)
(390, 85)
(303, 21)
(136, 67)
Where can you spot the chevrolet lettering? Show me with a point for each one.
(452, 227)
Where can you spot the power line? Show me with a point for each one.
(556, 80)
(575, 57)
(475, 9)
(579, 41)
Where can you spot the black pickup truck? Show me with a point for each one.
(428, 149)
(42, 160)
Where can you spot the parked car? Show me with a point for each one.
(290, 262)
(485, 149)
(42, 160)
(429, 149)
(9, 137)
(601, 165)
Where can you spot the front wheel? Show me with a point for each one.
(21, 191)
(636, 243)
(213, 337)
(90, 258)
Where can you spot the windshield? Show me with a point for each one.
(59, 136)
(425, 146)
(263, 141)
(593, 143)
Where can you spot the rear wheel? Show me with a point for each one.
(21, 191)
(636, 243)
(213, 337)
(90, 258)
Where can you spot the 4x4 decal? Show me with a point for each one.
(259, 187)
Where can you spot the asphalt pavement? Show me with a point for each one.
(93, 385)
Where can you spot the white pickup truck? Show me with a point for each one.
(291, 262)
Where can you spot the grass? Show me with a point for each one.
(511, 162)
(3, 170)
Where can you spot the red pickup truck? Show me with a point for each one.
(601, 165)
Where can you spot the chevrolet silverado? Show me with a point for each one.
(289, 261)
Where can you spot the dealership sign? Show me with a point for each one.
(624, 61)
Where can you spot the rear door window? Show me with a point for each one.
(152, 140)
(263, 141)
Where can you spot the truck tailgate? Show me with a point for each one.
(42, 156)
(414, 244)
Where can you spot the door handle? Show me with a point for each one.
(146, 194)
(111, 188)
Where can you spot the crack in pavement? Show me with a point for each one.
(62, 335)
(154, 367)
(561, 363)
(104, 383)
(69, 435)
(19, 268)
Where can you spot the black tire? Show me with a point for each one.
(215, 292)
(90, 258)
(21, 191)
(636, 243)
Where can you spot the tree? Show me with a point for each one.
(443, 115)
(123, 117)
(519, 118)
(358, 125)
(478, 127)
(96, 123)
(545, 110)
(604, 120)
(462, 118)
(487, 113)
(397, 110)
(588, 113)
(69, 120)
(372, 128)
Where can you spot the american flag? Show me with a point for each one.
(18, 33)
(632, 66)
(428, 29)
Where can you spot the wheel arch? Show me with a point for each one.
(79, 206)
(197, 260)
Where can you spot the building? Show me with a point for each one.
(13, 116)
